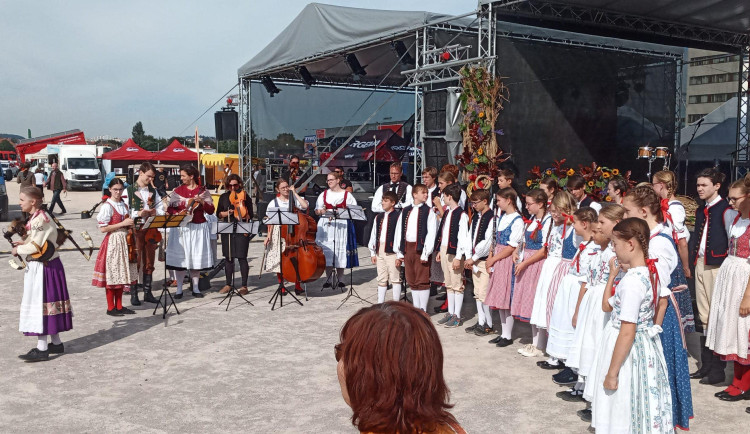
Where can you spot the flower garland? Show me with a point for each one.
(482, 99)
(596, 177)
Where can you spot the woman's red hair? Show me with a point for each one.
(393, 365)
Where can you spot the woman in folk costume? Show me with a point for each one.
(284, 193)
(189, 247)
(45, 307)
(631, 391)
(113, 270)
(644, 203)
(729, 324)
(235, 205)
(334, 235)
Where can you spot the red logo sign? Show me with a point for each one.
(321, 134)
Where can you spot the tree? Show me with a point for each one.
(6, 145)
(138, 133)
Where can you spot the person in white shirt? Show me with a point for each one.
(417, 227)
(401, 189)
(333, 234)
(383, 239)
(481, 233)
(665, 185)
(577, 187)
(453, 244)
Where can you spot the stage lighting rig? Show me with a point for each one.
(353, 63)
(402, 53)
(269, 85)
(306, 77)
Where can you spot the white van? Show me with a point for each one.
(79, 166)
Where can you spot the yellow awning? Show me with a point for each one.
(218, 159)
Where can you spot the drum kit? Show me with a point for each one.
(652, 154)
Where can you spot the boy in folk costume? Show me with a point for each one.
(383, 239)
(144, 201)
(417, 225)
(453, 245)
(45, 307)
(481, 233)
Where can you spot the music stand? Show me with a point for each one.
(232, 228)
(277, 216)
(165, 222)
(352, 212)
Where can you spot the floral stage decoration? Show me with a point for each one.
(597, 177)
(482, 99)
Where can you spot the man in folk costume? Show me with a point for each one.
(144, 201)
(383, 241)
(418, 226)
(400, 188)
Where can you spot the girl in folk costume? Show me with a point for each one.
(333, 236)
(508, 236)
(616, 189)
(273, 258)
(561, 328)
(113, 269)
(530, 259)
(644, 203)
(45, 307)
(189, 247)
(551, 187)
(562, 235)
(729, 323)
(631, 390)
(235, 205)
(665, 184)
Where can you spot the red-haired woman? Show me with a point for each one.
(401, 390)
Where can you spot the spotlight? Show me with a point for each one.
(353, 63)
(400, 49)
(306, 77)
(270, 87)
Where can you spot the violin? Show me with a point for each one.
(193, 203)
(132, 246)
(237, 199)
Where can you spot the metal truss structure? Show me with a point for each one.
(741, 158)
(245, 144)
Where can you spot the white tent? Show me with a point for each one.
(715, 134)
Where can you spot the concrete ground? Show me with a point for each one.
(253, 369)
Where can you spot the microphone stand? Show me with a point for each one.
(687, 150)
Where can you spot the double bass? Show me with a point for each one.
(302, 259)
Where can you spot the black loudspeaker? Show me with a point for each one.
(226, 123)
(434, 112)
(435, 152)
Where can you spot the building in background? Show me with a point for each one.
(712, 79)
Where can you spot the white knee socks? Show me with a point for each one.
(381, 293)
(535, 336)
(507, 320)
(459, 302)
(396, 291)
(41, 343)
(180, 277)
(480, 314)
(487, 315)
(420, 298)
(451, 302)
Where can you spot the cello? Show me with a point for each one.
(302, 259)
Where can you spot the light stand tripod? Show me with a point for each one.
(165, 222)
(350, 213)
(231, 229)
(275, 216)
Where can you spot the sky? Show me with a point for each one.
(102, 66)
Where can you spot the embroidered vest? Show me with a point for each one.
(717, 240)
(422, 214)
(483, 222)
(400, 190)
(135, 202)
(452, 232)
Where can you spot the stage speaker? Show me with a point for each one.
(435, 152)
(226, 123)
(439, 114)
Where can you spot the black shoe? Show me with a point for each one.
(299, 291)
(441, 297)
(126, 311)
(56, 349)
(747, 410)
(178, 296)
(571, 395)
(566, 376)
(134, 296)
(484, 330)
(327, 285)
(706, 361)
(197, 294)
(740, 397)
(35, 355)
(504, 342)
(341, 285)
(495, 340)
(472, 328)
(147, 296)
(720, 394)
(546, 365)
(585, 415)
(114, 312)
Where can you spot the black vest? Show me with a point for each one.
(452, 233)
(390, 230)
(422, 214)
(484, 223)
(400, 190)
(717, 242)
(586, 201)
(435, 193)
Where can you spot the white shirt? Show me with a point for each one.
(39, 178)
(594, 204)
(334, 198)
(461, 202)
(377, 200)
(411, 231)
(383, 232)
(464, 244)
(702, 248)
(663, 250)
(516, 232)
(482, 248)
(677, 211)
(105, 213)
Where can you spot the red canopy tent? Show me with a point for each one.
(128, 151)
(176, 152)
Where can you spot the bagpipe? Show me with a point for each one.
(64, 234)
(87, 214)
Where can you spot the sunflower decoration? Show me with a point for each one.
(596, 177)
(482, 98)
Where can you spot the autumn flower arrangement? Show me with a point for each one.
(482, 99)
(597, 177)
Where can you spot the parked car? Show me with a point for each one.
(6, 170)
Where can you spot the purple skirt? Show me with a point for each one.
(57, 314)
